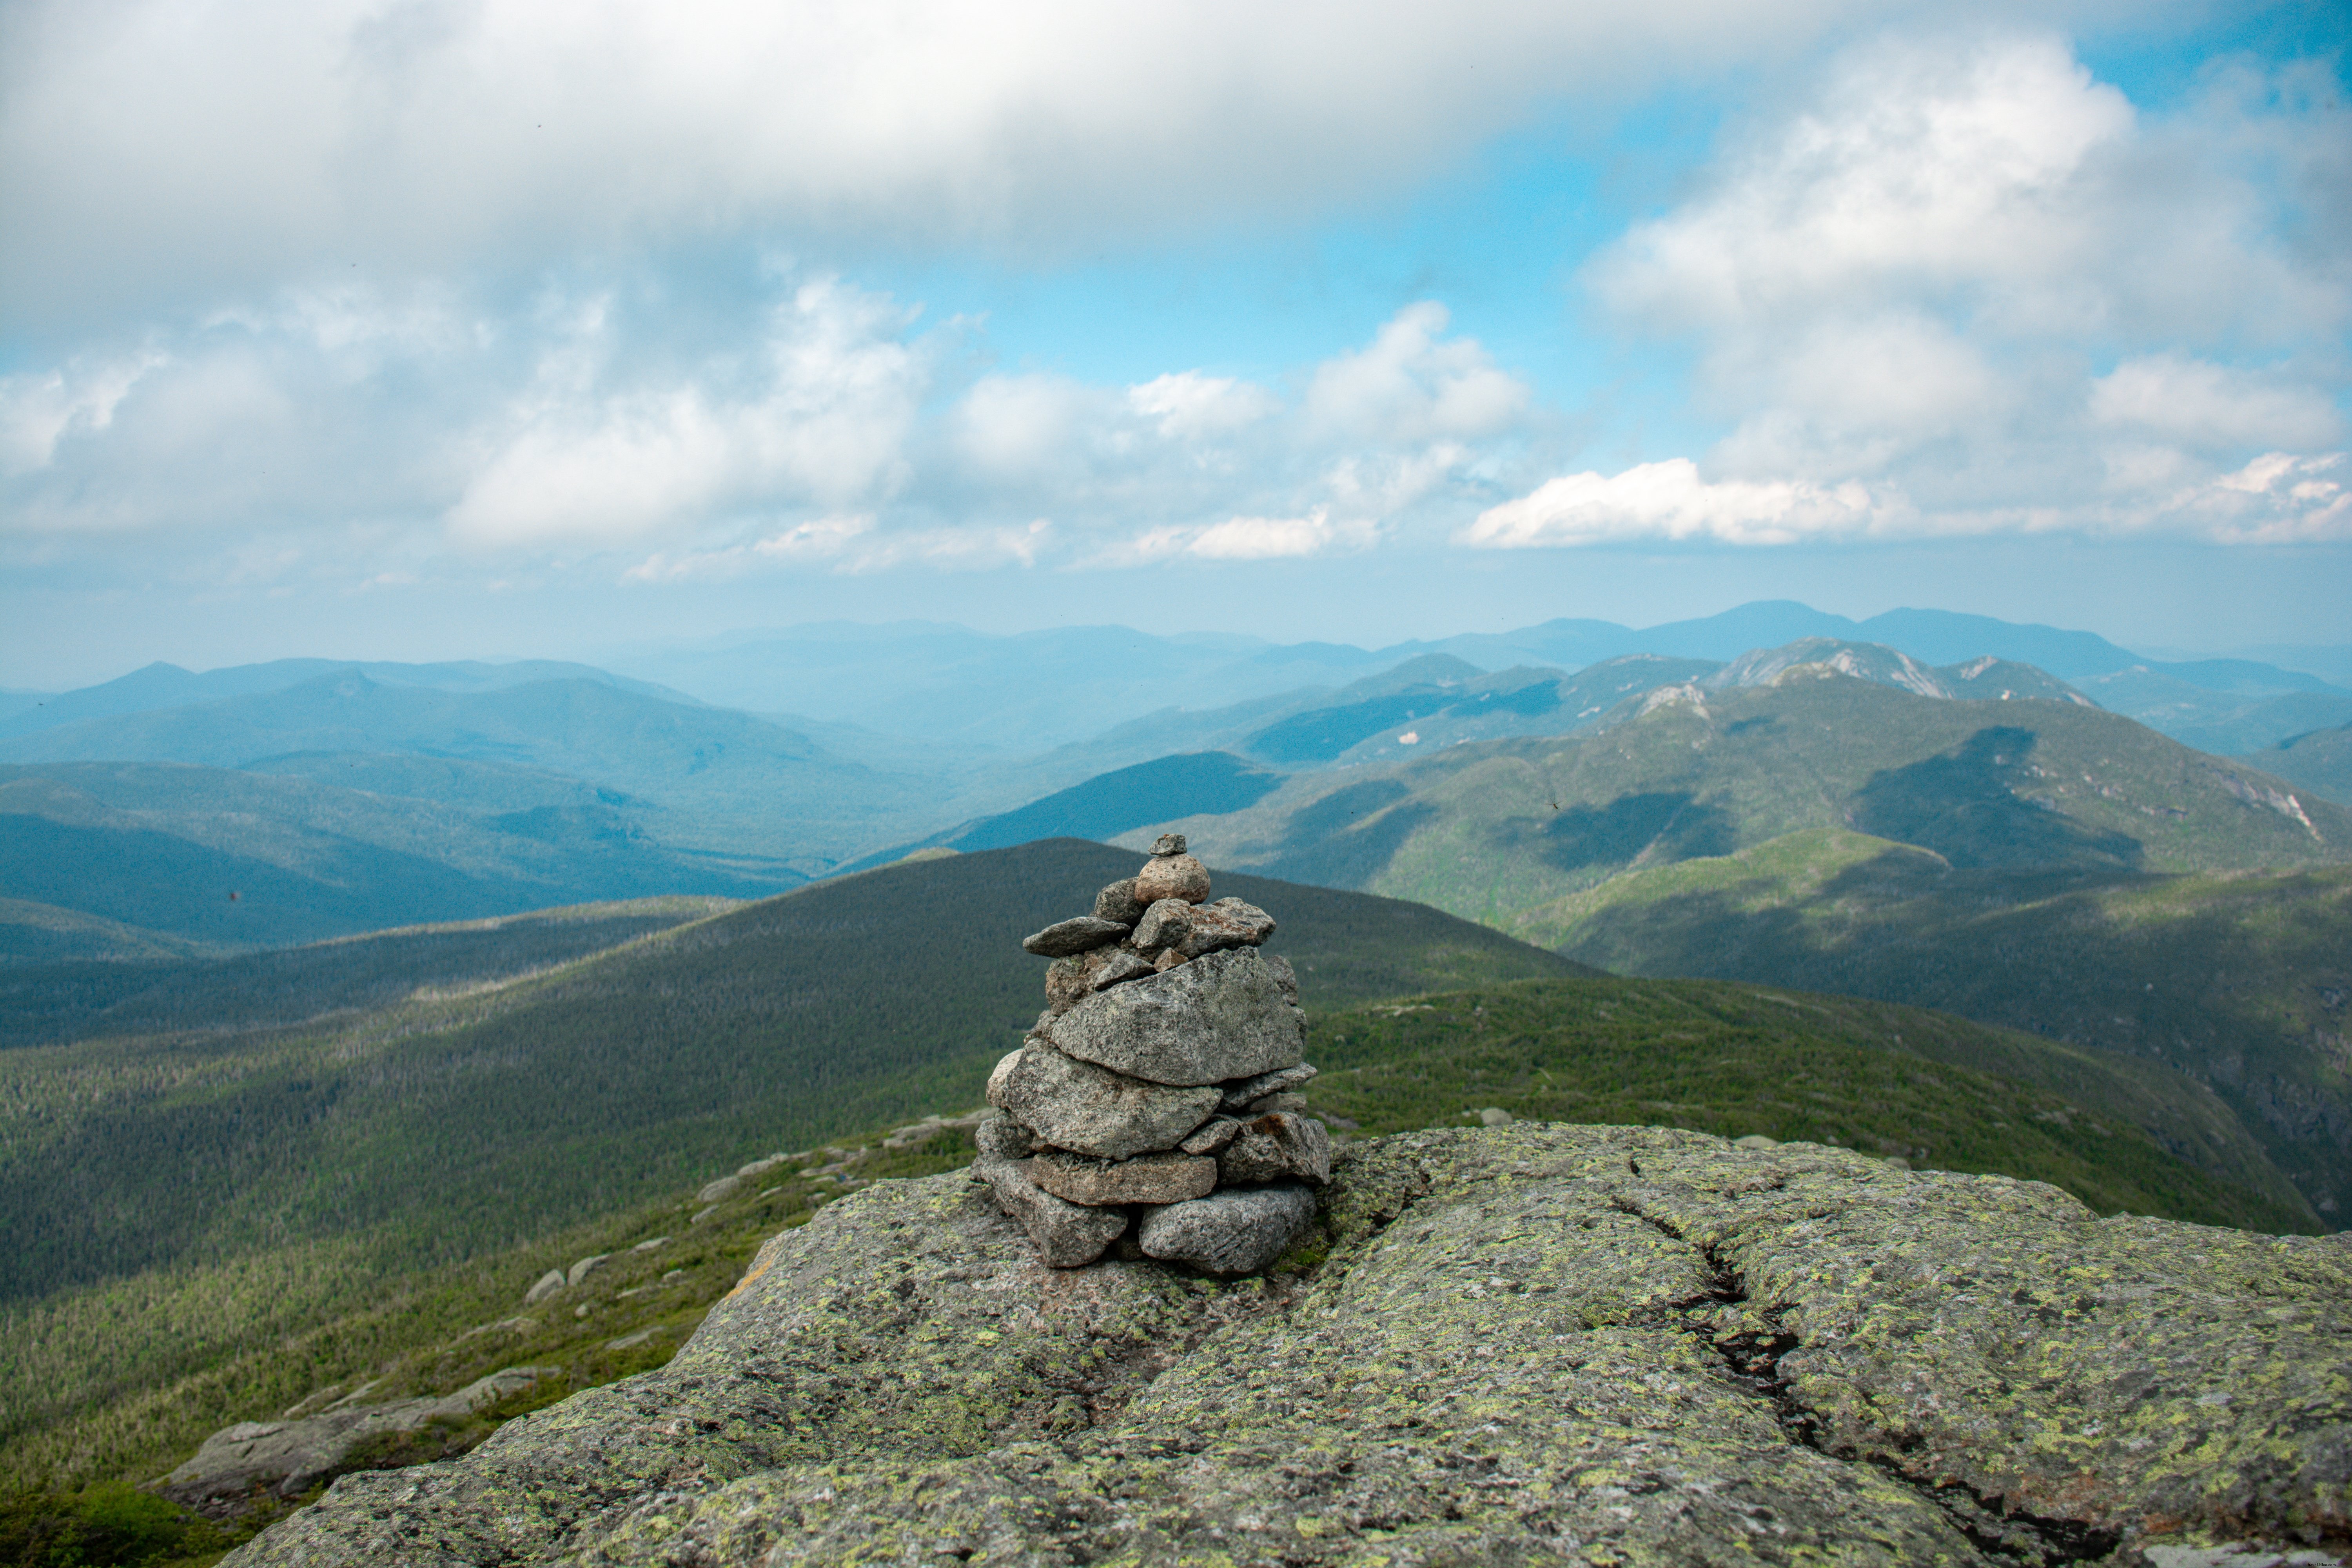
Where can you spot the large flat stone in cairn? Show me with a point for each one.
(1235, 1230)
(1168, 1178)
(1091, 1109)
(1218, 1017)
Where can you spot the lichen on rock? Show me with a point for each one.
(1522, 1344)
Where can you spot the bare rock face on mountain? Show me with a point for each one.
(1154, 1025)
(288, 1456)
(1524, 1344)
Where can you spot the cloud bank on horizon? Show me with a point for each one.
(369, 291)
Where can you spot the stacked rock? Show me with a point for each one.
(1155, 1087)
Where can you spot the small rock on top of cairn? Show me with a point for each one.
(1155, 1089)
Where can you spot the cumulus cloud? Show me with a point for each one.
(823, 418)
(1186, 404)
(1244, 539)
(1670, 500)
(39, 409)
(1412, 384)
(153, 145)
(1967, 273)
(2207, 406)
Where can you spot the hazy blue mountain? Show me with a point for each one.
(1109, 803)
(2226, 721)
(2331, 661)
(239, 859)
(721, 779)
(168, 686)
(991, 696)
(2318, 759)
(32, 932)
(1437, 700)
(1002, 695)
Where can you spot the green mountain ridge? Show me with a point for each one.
(2318, 759)
(725, 780)
(2023, 804)
(161, 848)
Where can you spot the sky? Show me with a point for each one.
(432, 328)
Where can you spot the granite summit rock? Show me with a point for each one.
(1530, 1344)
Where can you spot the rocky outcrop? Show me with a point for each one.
(290, 1457)
(1525, 1344)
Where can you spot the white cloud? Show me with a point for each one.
(1186, 404)
(1968, 273)
(1244, 539)
(1670, 500)
(829, 402)
(1410, 385)
(39, 409)
(1015, 427)
(2277, 499)
(239, 144)
(2207, 406)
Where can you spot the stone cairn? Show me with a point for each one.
(1154, 1089)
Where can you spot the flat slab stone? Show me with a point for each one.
(1228, 923)
(1091, 1110)
(1247, 1090)
(1077, 934)
(1170, 1178)
(1236, 1230)
(1217, 1017)
(1067, 1235)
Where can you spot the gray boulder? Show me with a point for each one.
(1163, 925)
(1075, 935)
(1002, 1137)
(1643, 1341)
(1286, 979)
(1092, 1110)
(1168, 1178)
(585, 1267)
(548, 1284)
(1278, 1147)
(1228, 923)
(718, 1191)
(1233, 1230)
(1070, 981)
(289, 1458)
(1066, 1235)
(1118, 902)
(1214, 1018)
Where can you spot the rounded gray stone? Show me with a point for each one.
(1235, 1230)
(1172, 877)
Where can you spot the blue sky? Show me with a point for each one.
(496, 328)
